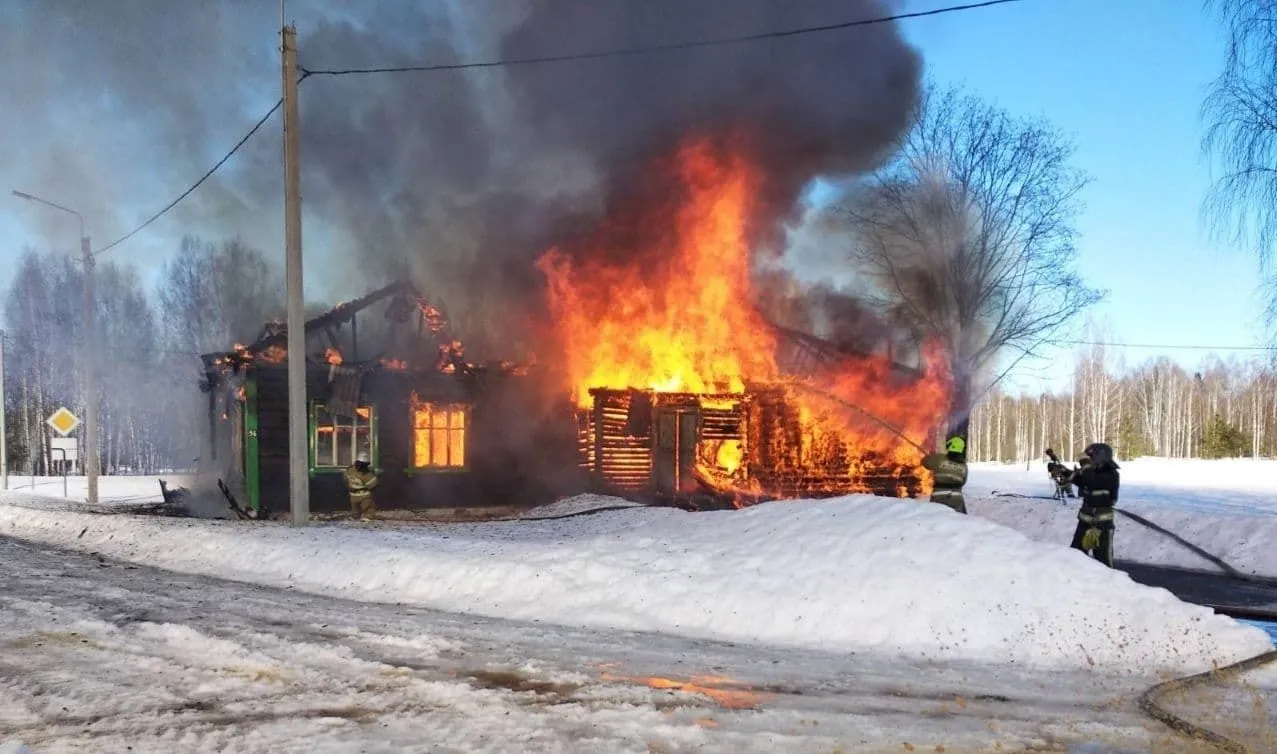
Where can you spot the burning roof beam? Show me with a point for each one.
(345, 312)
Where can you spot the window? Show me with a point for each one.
(439, 435)
(335, 442)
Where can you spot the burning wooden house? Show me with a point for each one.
(684, 388)
(438, 429)
(759, 443)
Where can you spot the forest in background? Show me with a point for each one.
(209, 296)
(1222, 409)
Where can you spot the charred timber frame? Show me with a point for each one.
(619, 438)
(619, 442)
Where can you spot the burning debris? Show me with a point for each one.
(680, 382)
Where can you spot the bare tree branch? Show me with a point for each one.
(968, 235)
(1240, 112)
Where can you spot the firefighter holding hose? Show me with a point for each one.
(950, 472)
(1097, 481)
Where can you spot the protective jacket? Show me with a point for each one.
(360, 484)
(1098, 486)
(950, 475)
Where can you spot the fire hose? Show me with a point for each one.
(869, 415)
(1150, 702)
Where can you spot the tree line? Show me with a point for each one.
(151, 416)
(1222, 409)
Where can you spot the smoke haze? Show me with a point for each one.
(458, 178)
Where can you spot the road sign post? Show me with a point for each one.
(64, 423)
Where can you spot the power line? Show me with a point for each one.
(1166, 346)
(195, 185)
(545, 59)
(630, 51)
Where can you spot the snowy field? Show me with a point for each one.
(1227, 508)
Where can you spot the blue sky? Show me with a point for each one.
(1125, 78)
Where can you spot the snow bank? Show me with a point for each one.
(1227, 508)
(857, 574)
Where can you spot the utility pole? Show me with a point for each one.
(90, 368)
(89, 352)
(4, 425)
(298, 429)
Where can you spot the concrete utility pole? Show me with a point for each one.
(4, 426)
(90, 351)
(298, 428)
(90, 372)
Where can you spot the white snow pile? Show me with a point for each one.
(1227, 508)
(855, 574)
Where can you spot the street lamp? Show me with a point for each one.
(90, 344)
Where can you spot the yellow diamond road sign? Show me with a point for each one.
(63, 421)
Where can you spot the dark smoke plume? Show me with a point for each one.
(461, 178)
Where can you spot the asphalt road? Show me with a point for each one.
(1242, 598)
(97, 655)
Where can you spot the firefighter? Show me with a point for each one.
(1061, 475)
(361, 480)
(1097, 481)
(950, 472)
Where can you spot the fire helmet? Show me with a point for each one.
(1100, 453)
(956, 445)
(362, 457)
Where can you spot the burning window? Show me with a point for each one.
(337, 441)
(439, 435)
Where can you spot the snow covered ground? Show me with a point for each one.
(98, 655)
(1227, 508)
(821, 609)
(856, 574)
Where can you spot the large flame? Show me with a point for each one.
(683, 323)
(680, 317)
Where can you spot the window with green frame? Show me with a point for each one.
(335, 441)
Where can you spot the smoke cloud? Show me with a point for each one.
(459, 179)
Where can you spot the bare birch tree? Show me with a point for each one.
(1241, 132)
(967, 236)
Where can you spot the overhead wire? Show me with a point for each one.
(542, 59)
(1166, 346)
(261, 122)
(668, 47)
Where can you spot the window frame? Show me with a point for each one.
(464, 430)
(374, 455)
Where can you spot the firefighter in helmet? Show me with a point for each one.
(361, 480)
(950, 472)
(1097, 481)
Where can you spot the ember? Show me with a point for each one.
(677, 375)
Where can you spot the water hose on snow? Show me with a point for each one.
(1223, 565)
(1150, 702)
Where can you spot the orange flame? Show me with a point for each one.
(273, 354)
(684, 328)
(679, 316)
(332, 356)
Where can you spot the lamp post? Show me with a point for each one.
(90, 344)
